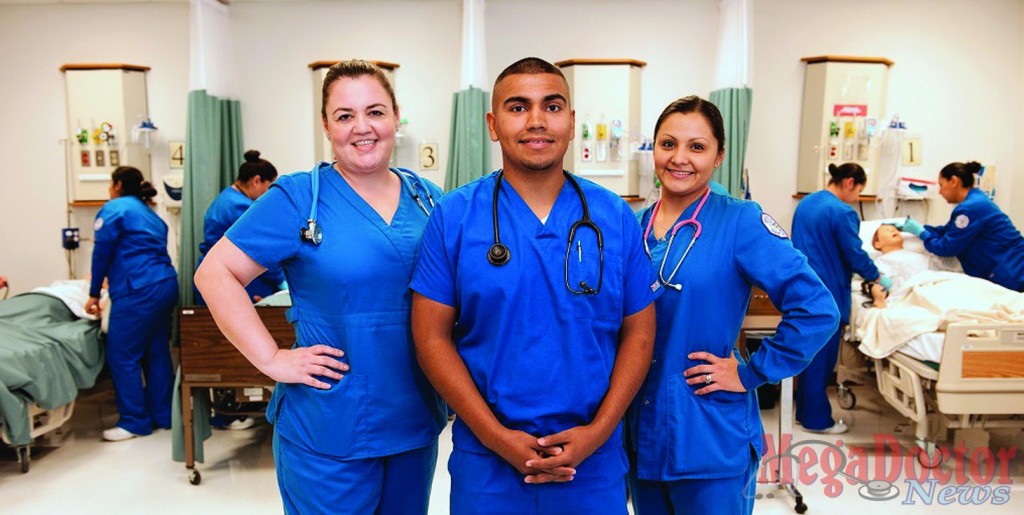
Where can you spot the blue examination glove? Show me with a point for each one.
(885, 281)
(912, 226)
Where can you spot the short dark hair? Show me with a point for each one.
(965, 171)
(132, 183)
(846, 170)
(528, 66)
(695, 104)
(254, 165)
(354, 69)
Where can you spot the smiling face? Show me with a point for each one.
(361, 124)
(530, 117)
(685, 155)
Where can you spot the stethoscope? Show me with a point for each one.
(672, 236)
(499, 254)
(313, 231)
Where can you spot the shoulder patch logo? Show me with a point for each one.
(961, 221)
(655, 286)
(98, 224)
(773, 226)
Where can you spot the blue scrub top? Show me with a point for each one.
(983, 238)
(227, 208)
(130, 248)
(540, 356)
(826, 230)
(350, 292)
(675, 433)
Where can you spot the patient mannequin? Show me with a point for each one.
(895, 262)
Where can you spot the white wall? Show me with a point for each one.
(957, 80)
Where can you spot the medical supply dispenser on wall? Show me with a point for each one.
(322, 150)
(104, 103)
(844, 99)
(606, 97)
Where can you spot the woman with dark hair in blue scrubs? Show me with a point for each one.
(978, 233)
(694, 431)
(825, 228)
(255, 176)
(130, 251)
(355, 420)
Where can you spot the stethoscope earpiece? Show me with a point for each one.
(498, 255)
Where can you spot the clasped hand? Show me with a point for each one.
(552, 458)
(723, 371)
(304, 365)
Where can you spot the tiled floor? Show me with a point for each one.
(83, 475)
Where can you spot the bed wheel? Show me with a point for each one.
(930, 455)
(800, 508)
(845, 397)
(194, 477)
(24, 454)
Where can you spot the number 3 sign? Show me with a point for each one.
(428, 156)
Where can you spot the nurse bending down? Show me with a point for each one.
(694, 432)
(255, 176)
(356, 422)
(131, 253)
(978, 233)
(825, 228)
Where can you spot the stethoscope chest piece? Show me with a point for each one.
(312, 232)
(498, 254)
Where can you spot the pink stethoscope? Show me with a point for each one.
(672, 236)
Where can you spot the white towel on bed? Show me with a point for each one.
(930, 301)
(74, 294)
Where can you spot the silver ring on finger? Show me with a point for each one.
(707, 379)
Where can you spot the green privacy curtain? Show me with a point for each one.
(734, 103)
(732, 92)
(469, 156)
(213, 154)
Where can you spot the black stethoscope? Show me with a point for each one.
(499, 254)
(313, 231)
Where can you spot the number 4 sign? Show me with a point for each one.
(176, 153)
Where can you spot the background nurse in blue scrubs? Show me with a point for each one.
(694, 431)
(978, 233)
(825, 228)
(539, 343)
(355, 421)
(255, 176)
(131, 253)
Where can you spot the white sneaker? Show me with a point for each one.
(117, 434)
(242, 423)
(837, 429)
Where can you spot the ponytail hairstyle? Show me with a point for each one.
(965, 171)
(254, 166)
(844, 171)
(132, 183)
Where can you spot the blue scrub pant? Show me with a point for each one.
(312, 483)
(813, 410)
(719, 496)
(487, 484)
(139, 356)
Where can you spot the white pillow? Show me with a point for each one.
(867, 231)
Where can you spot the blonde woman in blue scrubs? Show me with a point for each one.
(356, 422)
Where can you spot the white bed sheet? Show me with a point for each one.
(925, 347)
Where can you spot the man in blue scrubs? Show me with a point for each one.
(540, 342)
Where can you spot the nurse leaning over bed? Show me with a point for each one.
(130, 251)
(355, 421)
(978, 233)
(825, 228)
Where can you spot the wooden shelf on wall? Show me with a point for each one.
(846, 59)
(570, 62)
(105, 66)
(87, 203)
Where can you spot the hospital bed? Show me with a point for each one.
(47, 353)
(209, 360)
(970, 376)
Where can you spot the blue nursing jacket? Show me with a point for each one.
(130, 248)
(225, 210)
(825, 229)
(540, 356)
(350, 292)
(983, 238)
(675, 433)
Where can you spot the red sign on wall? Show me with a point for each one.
(850, 110)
